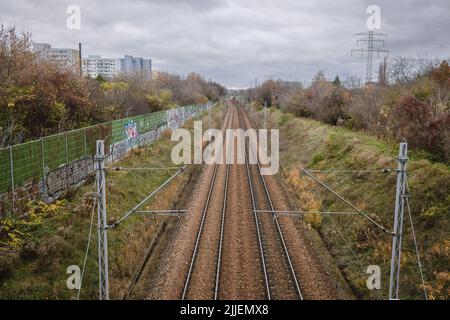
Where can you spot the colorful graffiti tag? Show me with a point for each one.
(131, 131)
(175, 117)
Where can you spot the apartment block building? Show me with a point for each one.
(95, 65)
(130, 64)
(66, 57)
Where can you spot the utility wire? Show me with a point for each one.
(346, 242)
(322, 259)
(87, 247)
(125, 216)
(384, 170)
(415, 243)
(345, 200)
(142, 168)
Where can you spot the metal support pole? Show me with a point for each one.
(400, 197)
(44, 182)
(102, 223)
(11, 172)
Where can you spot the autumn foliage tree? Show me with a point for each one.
(36, 97)
(40, 97)
(414, 106)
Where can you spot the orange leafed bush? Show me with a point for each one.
(308, 199)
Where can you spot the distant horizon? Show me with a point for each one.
(234, 42)
(234, 88)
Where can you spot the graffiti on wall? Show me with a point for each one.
(131, 132)
(57, 182)
(62, 179)
(175, 117)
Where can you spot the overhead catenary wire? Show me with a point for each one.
(321, 258)
(96, 202)
(142, 168)
(383, 170)
(328, 270)
(126, 215)
(346, 242)
(345, 201)
(367, 216)
(301, 213)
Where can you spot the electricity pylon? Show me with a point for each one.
(372, 39)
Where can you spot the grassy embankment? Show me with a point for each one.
(353, 242)
(37, 248)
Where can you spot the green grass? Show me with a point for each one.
(52, 237)
(311, 144)
(37, 246)
(39, 271)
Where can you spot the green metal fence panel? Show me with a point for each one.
(140, 124)
(27, 162)
(158, 119)
(75, 145)
(5, 170)
(49, 153)
(105, 133)
(92, 135)
(117, 131)
(55, 151)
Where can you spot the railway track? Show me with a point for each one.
(210, 218)
(238, 253)
(279, 274)
(241, 273)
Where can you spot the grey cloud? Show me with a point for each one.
(234, 41)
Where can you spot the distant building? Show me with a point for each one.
(65, 57)
(94, 66)
(42, 49)
(164, 75)
(292, 84)
(155, 74)
(130, 64)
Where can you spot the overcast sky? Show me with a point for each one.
(236, 41)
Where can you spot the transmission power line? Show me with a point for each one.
(373, 40)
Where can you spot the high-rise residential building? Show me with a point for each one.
(64, 56)
(130, 64)
(94, 66)
(42, 49)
